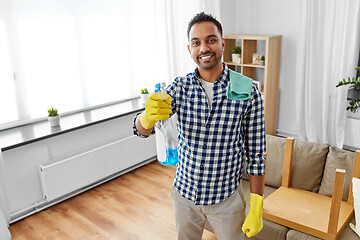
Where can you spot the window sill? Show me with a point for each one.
(29, 133)
(353, 115)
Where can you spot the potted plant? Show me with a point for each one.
(236, 54)
(353, 93)
(144, 95)
(262, 60)
(53, 117)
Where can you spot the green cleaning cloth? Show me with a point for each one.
(239, 86)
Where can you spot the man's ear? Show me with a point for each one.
(189, 49)
(223, 44)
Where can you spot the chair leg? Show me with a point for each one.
(288, 157)
(336, 201)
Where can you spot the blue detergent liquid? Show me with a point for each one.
(171, 157)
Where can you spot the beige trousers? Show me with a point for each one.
(226, 218)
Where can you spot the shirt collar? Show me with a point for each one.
(223, 79)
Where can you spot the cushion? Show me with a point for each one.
(337, 158)
(275, 148)
(246, 190)
(308, 165)
(275, 156)
(296, 235)
(271, 231)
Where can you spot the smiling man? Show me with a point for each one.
(206, 46)
(218, 131)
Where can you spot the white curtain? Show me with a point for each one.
(4, 205)
(96, 51)
(327, 52)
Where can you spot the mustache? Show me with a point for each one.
(206, 53)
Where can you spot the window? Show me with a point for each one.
(71, 55)
(51, 66)
(106, 60)
(76, 54)
(7, 91)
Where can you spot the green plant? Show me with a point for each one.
(355, 82)
(262, 58)
(354, 104)
(236, 50)
(144, 91)
(52, 112)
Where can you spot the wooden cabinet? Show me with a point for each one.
(271, 48)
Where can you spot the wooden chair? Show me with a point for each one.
(318, 215)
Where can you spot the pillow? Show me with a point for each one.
(275, 148)
(308, 165)
(337, 158)
(274, 161)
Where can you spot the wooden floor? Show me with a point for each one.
(136, 205)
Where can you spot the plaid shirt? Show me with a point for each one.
(214, 142)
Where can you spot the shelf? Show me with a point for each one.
(253, 65)
(245, 65)
(233, 64)
(270, 46)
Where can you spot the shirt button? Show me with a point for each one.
(207, 125)
(201, 166)
(204, 146)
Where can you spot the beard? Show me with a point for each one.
(208, 63)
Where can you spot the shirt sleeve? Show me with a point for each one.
(135, 131)
(254, 135)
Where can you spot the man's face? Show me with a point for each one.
(206, 45)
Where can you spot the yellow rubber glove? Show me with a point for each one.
(253, 222)
(157, 107)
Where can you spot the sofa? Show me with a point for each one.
(313, 169)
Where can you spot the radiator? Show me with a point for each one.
(65, 176)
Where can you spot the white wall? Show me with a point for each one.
(276, 17)
(227, 16)
(279, 17)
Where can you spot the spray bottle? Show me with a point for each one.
(166, 136)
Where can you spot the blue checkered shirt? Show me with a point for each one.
(214, 142)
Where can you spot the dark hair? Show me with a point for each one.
(203, 17)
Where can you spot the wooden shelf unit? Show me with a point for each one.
(271, 70)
